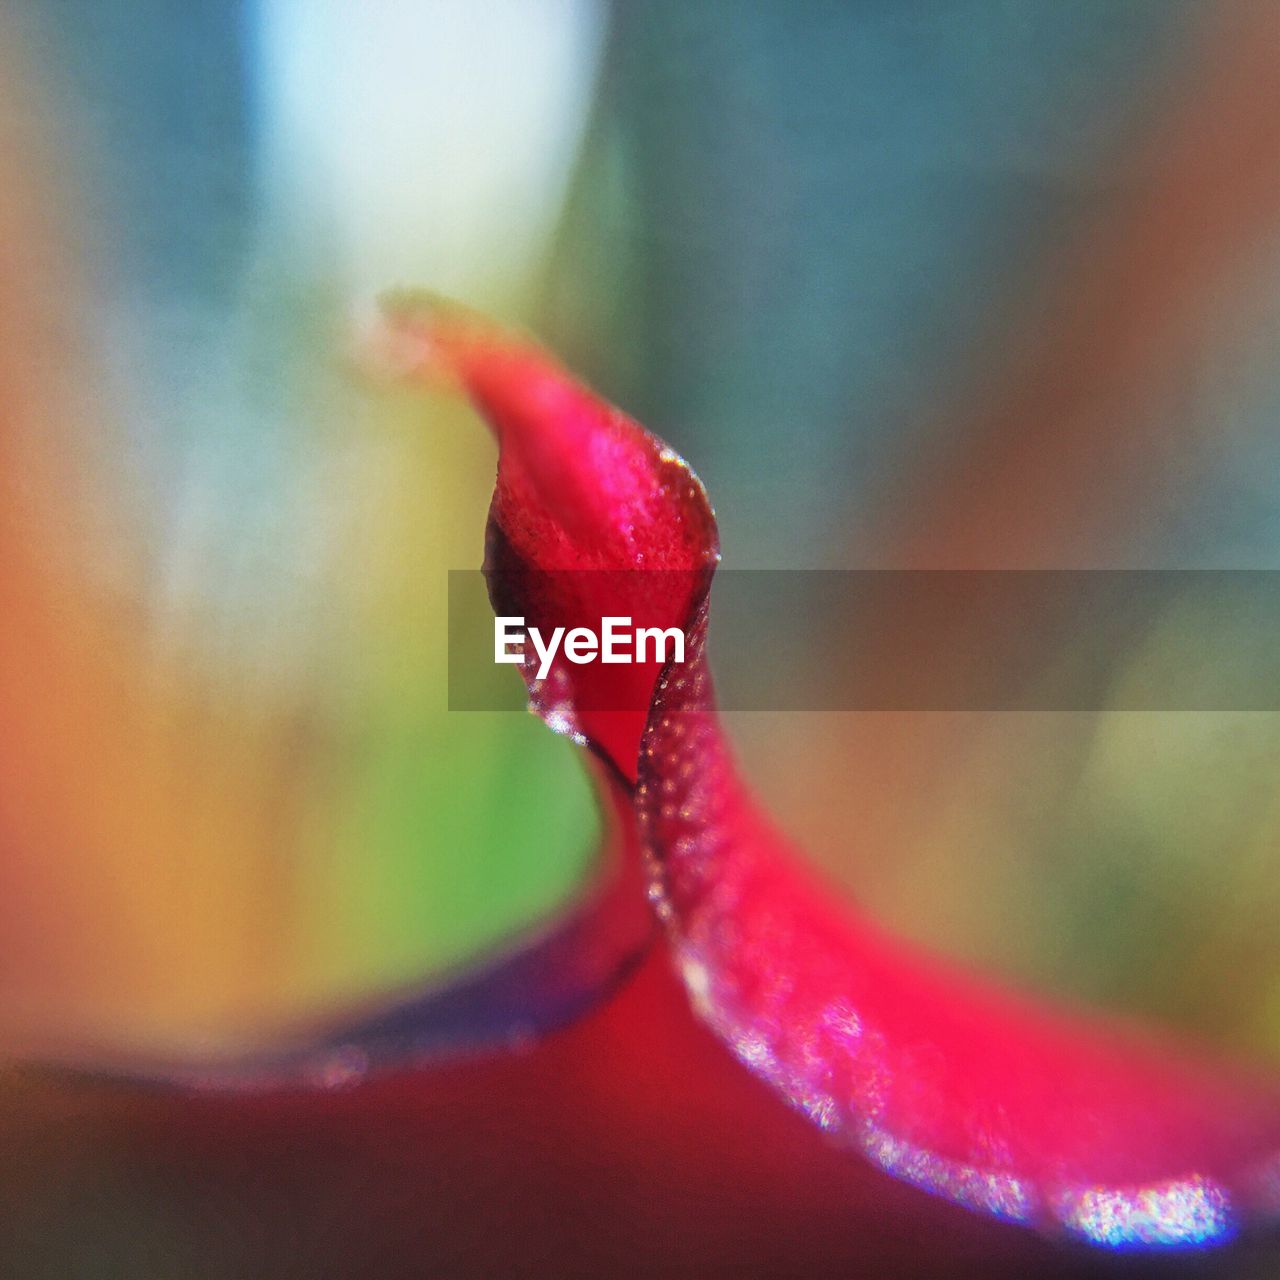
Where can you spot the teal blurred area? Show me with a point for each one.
(799, 231)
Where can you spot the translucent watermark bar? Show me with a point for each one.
(918, 640)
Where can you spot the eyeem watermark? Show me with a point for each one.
(617, 641)
(882, 640)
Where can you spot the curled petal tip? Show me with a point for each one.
(418, 336)
(580, 484)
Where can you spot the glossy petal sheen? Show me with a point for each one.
(1080, 1126)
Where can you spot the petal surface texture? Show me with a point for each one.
(1076, 1125)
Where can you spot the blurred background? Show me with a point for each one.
(971, 285)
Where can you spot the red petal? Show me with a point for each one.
(1064, 1122)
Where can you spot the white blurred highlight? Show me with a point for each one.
(435, 140)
